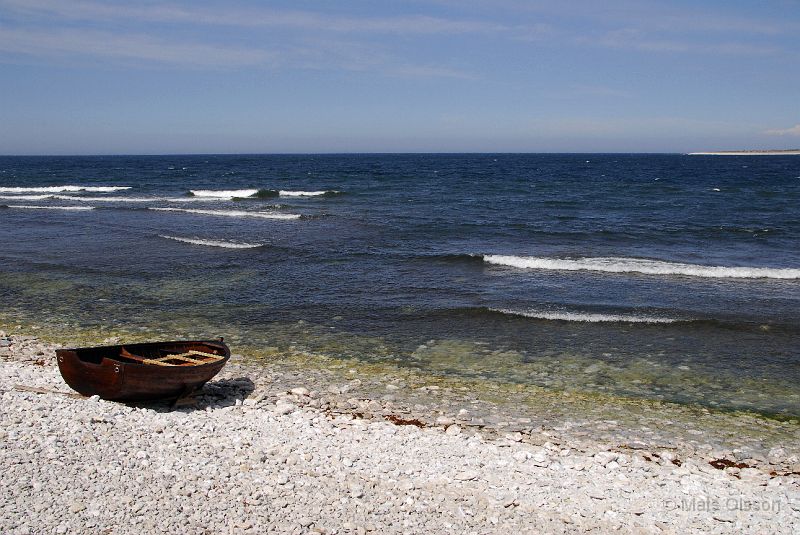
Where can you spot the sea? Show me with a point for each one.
(649, 276)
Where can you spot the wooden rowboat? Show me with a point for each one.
(142, 372)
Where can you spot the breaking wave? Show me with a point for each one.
(214, 243)
(61, 189)
(224, 194)
(230, 213)
(32, 207)
(639, 265)
(258, 193)
(327, 193)
(25, 197)
(586, 317)
(106, 199)
(131, 199)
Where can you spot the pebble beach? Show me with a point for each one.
(286, 450)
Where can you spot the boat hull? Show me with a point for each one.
(105, 372)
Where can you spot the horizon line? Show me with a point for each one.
(323, 153)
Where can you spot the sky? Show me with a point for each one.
(149, 77)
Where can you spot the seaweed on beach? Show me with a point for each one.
(721, 464)
(396, 420)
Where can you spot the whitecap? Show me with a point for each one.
(26, 197)
(230, 213)
(224, 194)
(32, 207)
(132, 199)
(214, 243)
(290, 193)
(585, 317)
(639, 265)
(60, 189)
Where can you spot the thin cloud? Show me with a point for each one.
(424, 71)
(310, 40)
(637, 39)
(792, 131)
(650, 15)
(651, 26)
(308, 20)
(599, 91)
(127, 46)
(317, 55)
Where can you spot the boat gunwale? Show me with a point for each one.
(218, 343)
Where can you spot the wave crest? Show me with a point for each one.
(230, 213)
(267, 193)
(32, 207)
(214, 243)
(639, 265)
(229, 194)
(586, 317)
(134, 199)
(224, 194)
(80, 198)
(290, 193)
(61, 189)
(25, 197)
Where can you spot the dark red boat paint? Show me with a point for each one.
(105, 372)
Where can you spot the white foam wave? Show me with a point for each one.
(586, 317)
(639, 265)
(289, 193)
(224, 194)
(243, 193)
(32, 207)
(214, 243)
(26, 197)
(130, 199)
(60, 189)
(230, 213)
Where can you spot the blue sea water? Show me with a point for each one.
(668, 277)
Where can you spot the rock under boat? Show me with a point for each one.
(142, 372)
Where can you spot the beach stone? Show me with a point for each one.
(76, 507)
(284, 408)
(453, 430)
(444, 421)
(521, 456)
(724, 516)
(540, 458)
(468, 475)
(356, 490)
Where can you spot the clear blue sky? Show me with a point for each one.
(97, 77)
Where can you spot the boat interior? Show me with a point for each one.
(157, 355)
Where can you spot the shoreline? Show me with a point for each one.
(372, 390)
(790, 152)
(341, 449)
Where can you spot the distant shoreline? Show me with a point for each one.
(789, 152)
